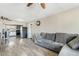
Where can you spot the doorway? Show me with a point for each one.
(24, 32)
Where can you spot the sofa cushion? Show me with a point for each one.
(44, 40)
(50, 36)
(43, 35)
(74, 44)
(60, 37)
(64, 37)
(55, 46)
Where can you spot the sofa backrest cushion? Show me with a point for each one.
(50, 36)
(43, 35)
(60, 37)
(64, 37)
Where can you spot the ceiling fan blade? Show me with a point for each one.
(29, 4)
(43, 5)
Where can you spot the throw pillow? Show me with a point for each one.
(74, 44)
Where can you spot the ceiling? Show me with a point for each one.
(20, 12)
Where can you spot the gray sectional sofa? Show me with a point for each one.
(53, 41)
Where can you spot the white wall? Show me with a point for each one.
(29, 31)
(67, 21)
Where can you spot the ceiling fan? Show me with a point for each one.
(43, 5)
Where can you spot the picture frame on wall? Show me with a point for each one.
(38, 23)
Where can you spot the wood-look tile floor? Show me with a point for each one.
(25, 47)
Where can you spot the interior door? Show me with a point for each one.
(24, 32)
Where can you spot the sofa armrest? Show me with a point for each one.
(67, 51)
